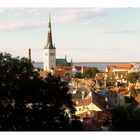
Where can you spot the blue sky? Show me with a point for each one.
(84, 34)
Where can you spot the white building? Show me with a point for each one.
(49, 51)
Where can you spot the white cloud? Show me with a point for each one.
(83, 14)
(67, 15)
(22, 24)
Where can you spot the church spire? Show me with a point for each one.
(49, 44)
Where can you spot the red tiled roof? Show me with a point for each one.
(100, 76)
(70, 67)
(110, 68)
(138, 98)
(43, 74)
(78, 67)
(124, 66)
(83, 102)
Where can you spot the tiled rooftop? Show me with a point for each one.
(127, 66)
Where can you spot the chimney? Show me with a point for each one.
(65, 56)
(29, 54)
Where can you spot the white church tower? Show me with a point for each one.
(49, 51)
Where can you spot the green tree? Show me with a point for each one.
(125, 119)
(78, 75)
(90, 72)
(29, 103)
(133, 77)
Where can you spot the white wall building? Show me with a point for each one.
(49, 52)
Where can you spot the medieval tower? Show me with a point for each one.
(49, 51)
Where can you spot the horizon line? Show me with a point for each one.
(99, 62)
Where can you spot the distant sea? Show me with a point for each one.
(99, 65)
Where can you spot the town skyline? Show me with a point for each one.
(97, 34)
(82, 71)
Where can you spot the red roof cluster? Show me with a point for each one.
(119, 67)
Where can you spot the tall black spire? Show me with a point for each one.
(49, 44)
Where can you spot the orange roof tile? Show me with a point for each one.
(138, 98)
(100, 76)
(83, 102)
(43, 74)
(110, 68)
(124, 66)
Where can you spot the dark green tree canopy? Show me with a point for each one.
(78, 75)
(29, 103)
(125, 120)
(133, 77)
(90, 72)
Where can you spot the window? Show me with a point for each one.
(52, 54)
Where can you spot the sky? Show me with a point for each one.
(83, 34)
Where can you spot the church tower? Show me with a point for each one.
(49, 51)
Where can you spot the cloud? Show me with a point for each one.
(122, 31)
(22, 24)
(38, 18)
(101, 21)
(80, 15)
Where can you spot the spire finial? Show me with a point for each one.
(49, 44)
(49, 17)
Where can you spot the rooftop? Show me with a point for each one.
(61, 62)
(83, 102)
(124, 66)
(138, 98)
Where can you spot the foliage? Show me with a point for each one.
(90, 72)
(29, 103)
(125, 120)
(133, 77)
(137, 91)
(110, 77)
(78, 75)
